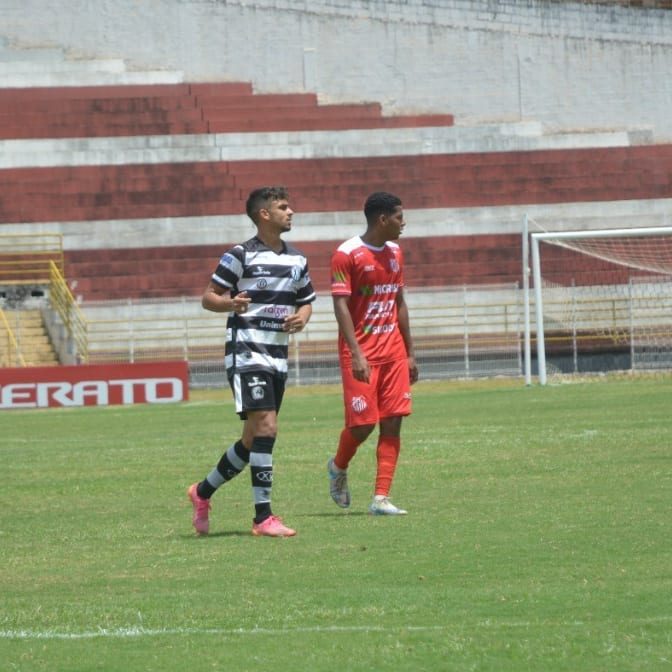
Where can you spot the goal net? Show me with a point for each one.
(603, 300)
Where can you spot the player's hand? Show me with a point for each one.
(413, 370)
(360, 368)
(240, 303)
(293, 323)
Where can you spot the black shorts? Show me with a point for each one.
(257, 391)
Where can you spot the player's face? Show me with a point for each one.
(280, 215)
(395, 223)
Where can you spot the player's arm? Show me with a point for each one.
(218, 299)
(298, 320)
(360, 365)
(405, 330)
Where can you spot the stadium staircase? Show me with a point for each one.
(30, 334)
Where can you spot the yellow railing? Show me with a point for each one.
(25, 259)
(13, 354)
(73, 319)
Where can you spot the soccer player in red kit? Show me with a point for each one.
(374, 346)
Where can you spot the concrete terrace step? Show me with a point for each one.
(523, 136)
(111, 128)
(52, 67)
(91, 78)
(224, 230)
(122, 91)
(42, 66)
(429, 261)
(223, 108)
(16, 104)
(323, 185)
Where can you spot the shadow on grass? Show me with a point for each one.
(214, 535)
(334, 514)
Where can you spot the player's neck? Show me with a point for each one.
(373, 239)
(274, 242)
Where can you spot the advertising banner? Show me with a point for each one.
(94, 385)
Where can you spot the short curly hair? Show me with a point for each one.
(380, 203)
(262, 198)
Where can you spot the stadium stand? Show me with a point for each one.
(439, 181)
(96, 158)
(163, 109)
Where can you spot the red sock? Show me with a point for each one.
(347, 447)
(387, 454)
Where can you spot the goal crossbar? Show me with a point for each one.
(603, 233)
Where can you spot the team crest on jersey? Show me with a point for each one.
(358, 404)
(262, 283)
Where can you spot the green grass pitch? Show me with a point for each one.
(538, 537)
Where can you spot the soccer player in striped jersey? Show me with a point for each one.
(375, 348)
(265, 286)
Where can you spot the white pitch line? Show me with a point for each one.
(150, 632)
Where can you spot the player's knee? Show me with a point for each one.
(361, 432)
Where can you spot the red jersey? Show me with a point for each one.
(371, 277)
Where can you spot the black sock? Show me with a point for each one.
(261, 466)
(233, 461)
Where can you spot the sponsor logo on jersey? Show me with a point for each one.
(394, 265)
(265, 324)
(228, 260)
(375, 329)
(260, 270)
(390, 288)
(380, 309)
(277, 311)
(338, 278)
(296, 273)
(366, 290)
(262, 283)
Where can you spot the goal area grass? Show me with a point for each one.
(537, 537)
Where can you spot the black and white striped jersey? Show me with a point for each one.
(276, 283)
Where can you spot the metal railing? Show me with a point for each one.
(11, 355)
(464, 331)
(73, 320)
(25, 259)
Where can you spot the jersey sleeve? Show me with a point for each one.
(341, 281)
(230, 268)
(305, 292)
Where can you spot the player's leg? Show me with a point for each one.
(262, 395)
(394, 401)
(232, 462)
(361, 416)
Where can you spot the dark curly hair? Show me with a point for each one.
(262, 198)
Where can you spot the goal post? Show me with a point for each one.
(615, 288)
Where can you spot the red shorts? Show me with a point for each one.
(387, 394)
